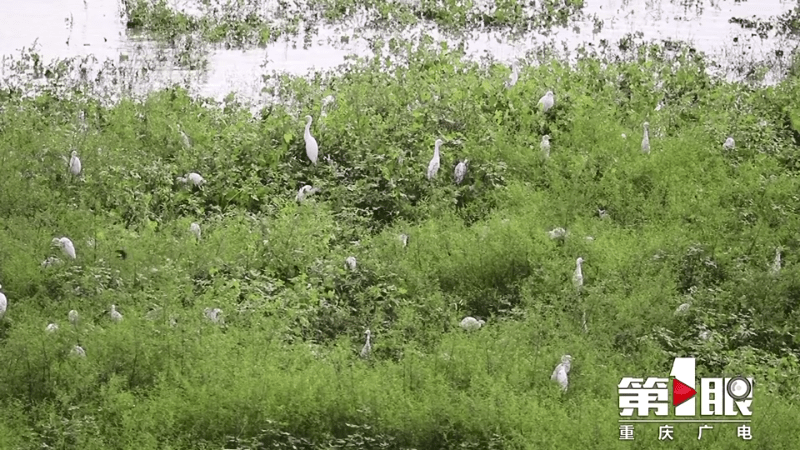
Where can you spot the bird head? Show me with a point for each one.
(439, 143)
(481, 322)
(646, 125)
(546, 137)
(56, 241)
(580, 260)
(308, 120)
(368, 333)
(74, 153)
(566, 359)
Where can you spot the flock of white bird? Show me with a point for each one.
(561, 372)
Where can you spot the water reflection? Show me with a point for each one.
(65, 28)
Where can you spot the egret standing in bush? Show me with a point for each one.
(461, 170)
(729, 143)
(404, 239)
(577, 278)
(547, 101)
(513, 78)
(51, 327)
(545, 145)
(75, 164)
(646, 138)
(561, 371)
(470, 323)
(312, 149)
(776, 264)
(79, 351)
(73, 317)
(195, 229)
(433, 166)
(213, 314)
(66, 246)
(351, 262)
(3, 304)
(193, 177)
(115, 315)
(557, 233)
(305, 190)
(367, 349)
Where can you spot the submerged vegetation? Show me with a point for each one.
(246, 330)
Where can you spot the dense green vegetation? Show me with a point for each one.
(688, 222)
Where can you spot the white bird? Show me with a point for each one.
(729, 143)
(683, 308)
(79, 351)
(193, 177)
(214, 314)
(433, 166)
(3, 304)
(73, 317)
(187, 144)
(115, 315)
(646, 138)
(404, 239)
(195, 229)
(547, 101)
(305, 190)
(66, 246)
(367, 349)
(470, 323)
(705, 335)
(577, 278)
(312, 149)
(561, 371)
(556, 233)
(75, 164)
(776, 264)
(545, 145)
(513, 77)
(51, 328)
(461, 170)
(52, 260)
(351, 262)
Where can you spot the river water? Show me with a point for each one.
(66, 28)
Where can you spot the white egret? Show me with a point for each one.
(51, 328)
(561, 371)
(75, 164)
(404, 239)
(557, 233)
(79, 351)
(705, 335)
(729, 143)
(646, 138)
(547, 101)
(513, 77)
(66, 246)
(305, 190)
(776, 264)
(73, 317)
(52, 260)
(545, 146)
(602, 213)
(115, 315)
(215, 315)
(195, 229)
(470, 323)
(367, 349)
(193, 177)
(683, 308)
(577, 278)
(433, 166)
(589, 238)
(312, 149)
(3, 304)
(461, 170)
(351, 262)
(187, 143)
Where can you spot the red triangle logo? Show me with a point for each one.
(681, 392)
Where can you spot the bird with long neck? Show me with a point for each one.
(433, 166)
(312, 149)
